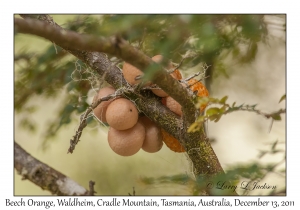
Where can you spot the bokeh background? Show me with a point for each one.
(238, 137)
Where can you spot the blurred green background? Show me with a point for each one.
(247, 57)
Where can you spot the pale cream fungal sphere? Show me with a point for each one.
(130, 73)
(176, 75)
(159, 58)
(173, 105)
(153, 139)
(100, 110)
(121, 114)
(126, 142)
(159, 92)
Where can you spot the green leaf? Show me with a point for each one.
(218, 118)
(282, 98)
(253, 106)
(201, 119)
(223, 109)
(147, 180)
(223, 100)
(202, 101)
(274, 145)
(212, 111)
(213, 117)
(262, 153)
(241, 106)
(276, 117)
(193, 127)
(214, 100)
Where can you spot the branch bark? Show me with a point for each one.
(199, 150)
(44, 176)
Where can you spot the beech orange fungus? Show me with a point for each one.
(196, 85)
(171, 142)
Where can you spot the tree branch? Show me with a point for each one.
(205, 162)
(43, 175)
(115, 46)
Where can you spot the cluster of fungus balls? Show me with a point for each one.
(129, 131)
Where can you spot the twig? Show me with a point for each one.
(193, 76)
(83, 118)
(280, 111)
(251, 108)
(133, 192)
(177, 66)
(205, 67)
(91, 187)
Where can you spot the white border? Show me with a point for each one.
(212, 6)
